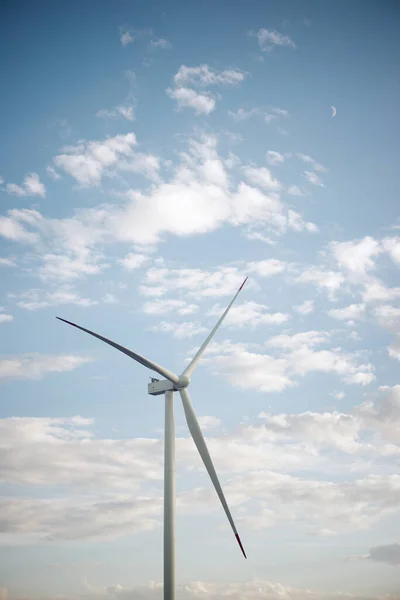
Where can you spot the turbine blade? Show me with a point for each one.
(192, 365)
(199, 440)
(140, 359)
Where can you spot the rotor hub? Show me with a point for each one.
(183, 382)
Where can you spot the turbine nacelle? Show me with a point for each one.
(160, 386)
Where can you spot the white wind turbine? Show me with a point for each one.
(168, 386)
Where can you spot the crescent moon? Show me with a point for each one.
(333, 109)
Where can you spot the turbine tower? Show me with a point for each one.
(174, 383)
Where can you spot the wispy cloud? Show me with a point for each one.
(32, 186)
(268, 38)
(36, 366)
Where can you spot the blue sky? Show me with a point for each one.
(152, 156)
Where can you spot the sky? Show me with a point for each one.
(154, 155)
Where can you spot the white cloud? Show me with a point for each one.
(306, 308)
(87, 161)
(356, 256)
(32, 186)
(5, 318)
(242, 114)
(377, 291)
(295, 190)
(161, 307)
(275, 158)
(313, 178)
(392, 247)
(182, 330)
(257, 235)
(36, 299)
(344, 506)
(383, 413)
(202, 103)
(159, 44)
(126, 37)
(311, 161)
(268, 38)
(352, 312)
(51, 172)
(7, 262)
(209, 422)
(268, 115)
(262, 177)
(36, 366)
(203, 75)
(198, 197)
(394, 349)
(222, 281)
(249, 313)
(127, 111)
(331, 281)
(12, 229)
(134, 261)
(293, 356)
(65, 268)
(109, 298)
(147, 165)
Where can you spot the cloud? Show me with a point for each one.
(36, 366)
(356, 256)
(331, 281)
(313, 178)
(257, 589)
(262, 177)
(268, 115)
(188, 98)
(161, 307)
(159, 44)
(383, 413)
(182, 330)
(306, 308)
(291, 357)
(209, 422)
(311, 161)
(126, 37)
(198, 197)
(392, 247)
(268, 38)
(12, 229)
(35, 299)
(87, 161)
(389, 554)
(5, 318)
(127, 111)
(203, 75)
(295, 190)
(51, 172)
(7, 262)
(249, 313)
(222, 281)
(352, 312)
(275, 158)
(32, 186)
(134, 261)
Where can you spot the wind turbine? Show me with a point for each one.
(174, 383)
